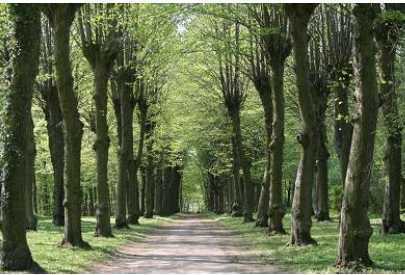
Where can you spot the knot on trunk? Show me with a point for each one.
(303, 139)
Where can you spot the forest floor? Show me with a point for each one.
(385, 250)
(190, 244)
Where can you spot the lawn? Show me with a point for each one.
(47, 252)
(387, 251)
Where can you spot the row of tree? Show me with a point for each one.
(127, 65)
(336, 49)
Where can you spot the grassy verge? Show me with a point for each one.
(53, 258)
(387, 251)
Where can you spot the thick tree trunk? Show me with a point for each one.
(247, 194)
(61, 17)
(149, 178)
(299, 15)
(15, 253)
(263, 206)
(103, 212)
(31, 219)
(321, 178)
(276, 210)
(53, 115)
(387, 36)
(355, 229)
(320, 190)
(125, 157)
(343, 127)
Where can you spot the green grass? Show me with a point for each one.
(47, 252)
(387, 251)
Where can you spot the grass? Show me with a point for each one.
(47, 252)
(387, 251)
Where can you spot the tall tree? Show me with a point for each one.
(387, 34)
(53, 116)
(61, 17)
(339, 46)
(318, 67)
(355, 229)
(277, 43)
(299, 15)
(259, 73)
(15, 253)
(234, 94)
(100, 45)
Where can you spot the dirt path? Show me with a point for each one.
(193, 244)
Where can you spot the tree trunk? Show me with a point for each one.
(276, 210)
(355, 229)
(31, 219)
(124, 153)
(149, 184)
(321, 178)
(15, 253)
(61, 17)
(299, 15)
(103, 212)
(320, 198)
(387, 37)
(343, 128)
(247, 194)
(265, 93)
(53, 115)
(237, 194)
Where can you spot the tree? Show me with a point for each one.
(61, 17)
(53, 116)
(355, 229)
(299, 15)
(259, 73)
(387, 35)
(15, 253)
(339, 36)
(100, 43)
(277, 43)
(318, 67)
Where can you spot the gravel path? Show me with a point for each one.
(192, 244)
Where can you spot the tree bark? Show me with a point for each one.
(53, 116)
(31, 219)
(355, 229)
(276, 209)
(15, 253)
(61, 17)
(387, 35)
(125, 150)
(149, 179)
(299, 15)
(247, 194)
(103, 212)
(265, 94)
(343, 127)
(321, 177)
